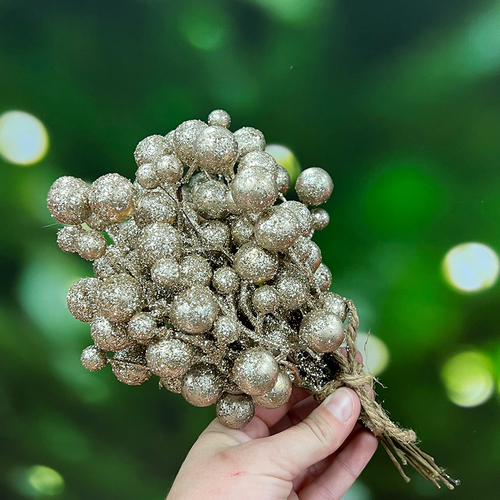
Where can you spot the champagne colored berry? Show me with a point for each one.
(314, 186)
(235, 410)
(255, 371)
(68, 200)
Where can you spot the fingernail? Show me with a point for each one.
(340, 404)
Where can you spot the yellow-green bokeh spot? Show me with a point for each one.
(468, 378)
(37, 481)
(286, 159)
(45, 480)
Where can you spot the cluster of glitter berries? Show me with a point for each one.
(205, 274)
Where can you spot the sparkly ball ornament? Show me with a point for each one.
(255, 371)
(211, 281)
(68, 200)
(235, 410)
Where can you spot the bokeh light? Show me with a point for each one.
(23, 138)
(292, 11)
(468, 378)
(37, 481)
(471, 267)
(286, 159)
(481, 43)
(42, 288)
(206, 27)
(45, 480)
(375, 353)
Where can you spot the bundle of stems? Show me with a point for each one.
(399, 443)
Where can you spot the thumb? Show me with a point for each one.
(318, 435)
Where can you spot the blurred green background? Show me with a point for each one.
(398, 100)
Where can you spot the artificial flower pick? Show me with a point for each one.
(212, 281)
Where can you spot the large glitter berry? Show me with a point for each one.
(67, 237)
(255, 264)
(158, 240)
(249, 139)
(293, 288)
(216, 151)
(194, 269)
(170, 357)
(150, 149)
(112, 198)
(225, 280)
(226, 329)
(166, 272)
(241, 231)
(276, 229)
(314, 186)
(109, 336)
(142, 327)
(235, 410)
(129, 366)
(202, 385)
(146, 176)
(255, 371)
(278, 395)
(68, 200)
(93, 358)
(219, 117)
(209, 199)
(155, 206)
(259, 159)
(335, 304)
(169, 169)
(322, 332)
(194, 310)
(120, 298)
(215, 235)
(185, 137)
(253, 190)
(82, 299)
(90, 245)
(265, 299)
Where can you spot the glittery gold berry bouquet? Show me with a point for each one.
(212, 281)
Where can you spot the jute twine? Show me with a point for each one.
(400, 444)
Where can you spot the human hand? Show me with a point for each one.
(303, 450)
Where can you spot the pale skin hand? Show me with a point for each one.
(302, 450)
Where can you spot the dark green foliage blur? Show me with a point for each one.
(398, 100)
